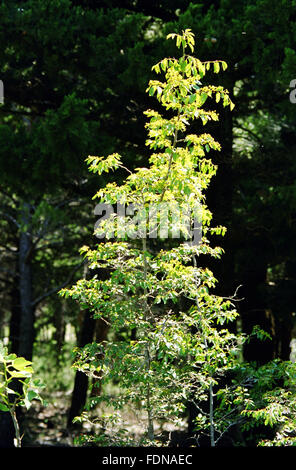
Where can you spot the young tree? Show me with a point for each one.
(17, 387)
(174, 355)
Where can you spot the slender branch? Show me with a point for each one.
(57, 288)
(199, 409)
(239, 420)
(234, 295)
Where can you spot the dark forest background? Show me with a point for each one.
(75, 74)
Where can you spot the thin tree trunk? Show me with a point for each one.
(18, 439)
(6, 431)
(212, 426)
(211, 391)
(25, 286)
(101, 332)
(150, 428)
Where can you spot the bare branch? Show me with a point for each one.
(239, 420)
(57, 288)
(199, 409)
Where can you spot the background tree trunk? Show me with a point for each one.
(253, 307)
(26, 338)
(6, 431)
(79, 394)
(14, 323)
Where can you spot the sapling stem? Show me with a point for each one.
(18, 439)
(150, 429)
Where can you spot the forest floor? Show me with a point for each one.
(46, 426)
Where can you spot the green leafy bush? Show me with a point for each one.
(17, 386)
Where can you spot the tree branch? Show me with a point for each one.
(57, 288)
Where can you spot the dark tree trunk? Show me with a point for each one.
(6, 431)
(253, 308)
(26, 338)
(89, 328)
(79, 394)
(14, 325)
(101, 332)
(282, 303)
(220, 198)
(283, 339)
(22, 319)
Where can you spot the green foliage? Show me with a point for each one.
(16, 370)
(107, 54)
(177, 355)
(265, 402)
(55, 371)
